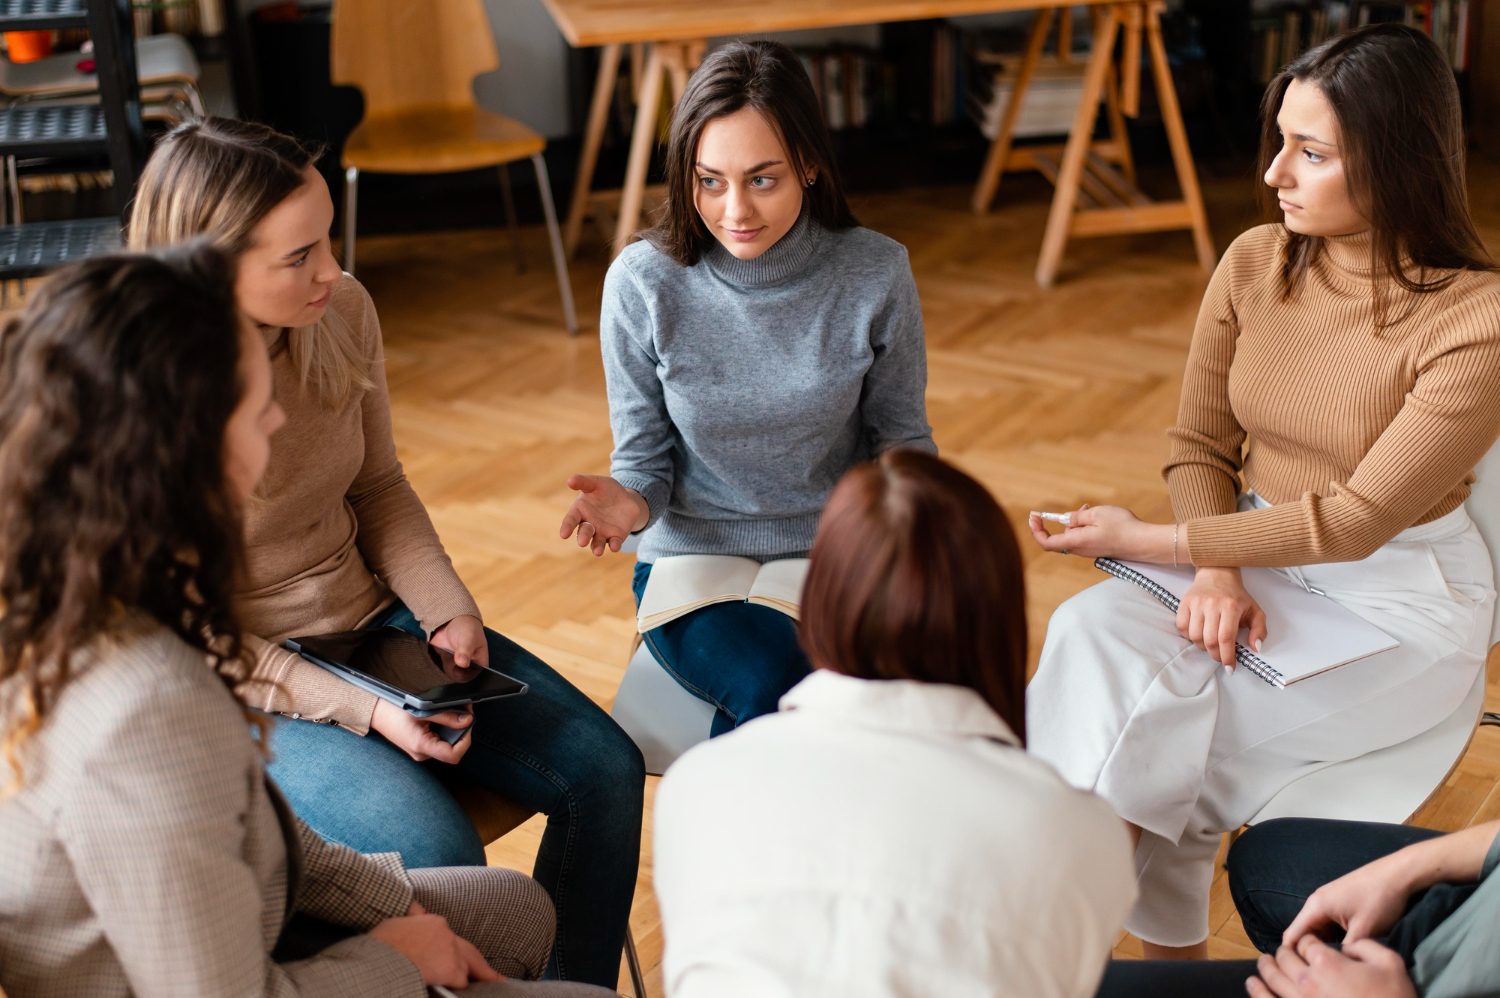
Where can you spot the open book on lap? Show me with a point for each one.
(1306, 632)
(683, 583)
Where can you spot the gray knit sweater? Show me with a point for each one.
(741, 390)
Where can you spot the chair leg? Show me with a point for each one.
(633, 961)
(559, 257)
(15, 190)
(510, 217)
(351, 209)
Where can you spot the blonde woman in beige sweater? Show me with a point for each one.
(1341, 387)
(336, 539)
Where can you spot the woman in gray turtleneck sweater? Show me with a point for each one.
(757, 345)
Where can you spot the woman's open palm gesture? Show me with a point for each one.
(604, 514)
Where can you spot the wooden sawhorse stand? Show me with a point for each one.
(666, 61)
(1095, 181)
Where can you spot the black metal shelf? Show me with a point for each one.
(37, 247)
(42, 15)
(53, 130)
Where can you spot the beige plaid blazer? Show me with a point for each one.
(146, 853)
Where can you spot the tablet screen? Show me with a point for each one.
(407, 664)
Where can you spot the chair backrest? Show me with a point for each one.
(1484, 510)
(407, 54)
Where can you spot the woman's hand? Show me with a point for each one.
(442, 957)
(604, 514)
(1365, 902)
(1314, 969)
(1214, 609)
(464, 637)
(1108, 532)
(413, 736)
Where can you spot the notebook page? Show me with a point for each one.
(779, 584)
(1305, 633)
(692, 580)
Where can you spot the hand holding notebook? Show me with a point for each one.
(688, 582)
(1308, 633)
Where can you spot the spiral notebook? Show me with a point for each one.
(1306, 633)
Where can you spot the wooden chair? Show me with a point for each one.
(415, 64)
(494, 816)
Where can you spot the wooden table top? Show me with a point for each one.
(602, 22)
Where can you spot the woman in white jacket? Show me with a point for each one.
(885, 833)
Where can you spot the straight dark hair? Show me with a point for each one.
(916, 575)
(1401, 135)
(116, 385)
(768, 78)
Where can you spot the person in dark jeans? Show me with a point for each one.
(1348, 909)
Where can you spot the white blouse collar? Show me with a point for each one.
(898, 705)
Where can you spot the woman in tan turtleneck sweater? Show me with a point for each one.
(1341, 387)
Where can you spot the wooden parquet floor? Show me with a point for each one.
(1051, 398)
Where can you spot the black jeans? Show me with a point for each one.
(1273, 869)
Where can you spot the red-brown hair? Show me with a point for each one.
(916, 575)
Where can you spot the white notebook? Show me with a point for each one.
(1306, 633)
(686, 582)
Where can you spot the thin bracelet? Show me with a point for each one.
(1174, 544)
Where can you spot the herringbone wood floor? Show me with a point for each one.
(1051, 398)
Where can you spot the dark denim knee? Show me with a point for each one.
(443, 843)
(618, 770)
(1267, 898)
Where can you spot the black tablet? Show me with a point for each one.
(404, 669)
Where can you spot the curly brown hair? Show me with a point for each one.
(116, 385)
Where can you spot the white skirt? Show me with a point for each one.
(1123, 705)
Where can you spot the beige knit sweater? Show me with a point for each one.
(1353, 432)
(334, 533)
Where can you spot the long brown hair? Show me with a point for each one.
(768, 78)
(220, 177)
(916, 575)
(116, 385)
(1401, 135)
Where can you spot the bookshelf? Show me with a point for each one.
(1281, 32)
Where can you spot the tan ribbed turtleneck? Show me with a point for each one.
(334, 533)
(1353, 432)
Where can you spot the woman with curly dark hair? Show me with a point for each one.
(337, 540)
(142, 848)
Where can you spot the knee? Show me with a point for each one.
(1265, 902)
(1082, 613)
(446, 841)
(1260, 849)
(536, 921)
(615, 770)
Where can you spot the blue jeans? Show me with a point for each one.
(552, 750)
(740, 657)
(1273, 869)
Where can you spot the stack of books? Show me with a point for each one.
(1051, 100)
